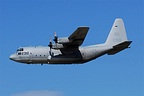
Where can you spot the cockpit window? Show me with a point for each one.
(19, 53)
(20, 49)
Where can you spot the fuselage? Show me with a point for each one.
(45, 55)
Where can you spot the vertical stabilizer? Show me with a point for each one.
(117, 34)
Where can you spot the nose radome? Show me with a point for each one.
(12, 57)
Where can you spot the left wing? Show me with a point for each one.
(70, 45)
(78, 36)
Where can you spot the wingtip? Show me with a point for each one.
(83, 27)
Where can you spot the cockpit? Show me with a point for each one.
(20, 51)
(20, 55)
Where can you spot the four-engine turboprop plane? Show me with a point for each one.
(68, 51)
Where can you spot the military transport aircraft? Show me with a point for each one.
(68, 51)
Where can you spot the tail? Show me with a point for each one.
(117, 37)
(117, 33)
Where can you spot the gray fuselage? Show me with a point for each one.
(44, 55)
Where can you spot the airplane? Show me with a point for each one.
(68, 50)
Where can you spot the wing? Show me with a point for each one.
(78, 36)
(76, 39)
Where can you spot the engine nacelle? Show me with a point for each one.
(63, 40)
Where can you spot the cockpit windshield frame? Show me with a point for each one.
(20, 49)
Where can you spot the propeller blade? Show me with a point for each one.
(55, 34)
(55, 38)
(50, 44)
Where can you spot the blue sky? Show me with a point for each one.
(33, 22)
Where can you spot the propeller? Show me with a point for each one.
(55, 38)
(50, 44)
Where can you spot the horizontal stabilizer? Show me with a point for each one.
(119, 47)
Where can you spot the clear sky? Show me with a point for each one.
(33, 22)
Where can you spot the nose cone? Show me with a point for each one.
(13, 57)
